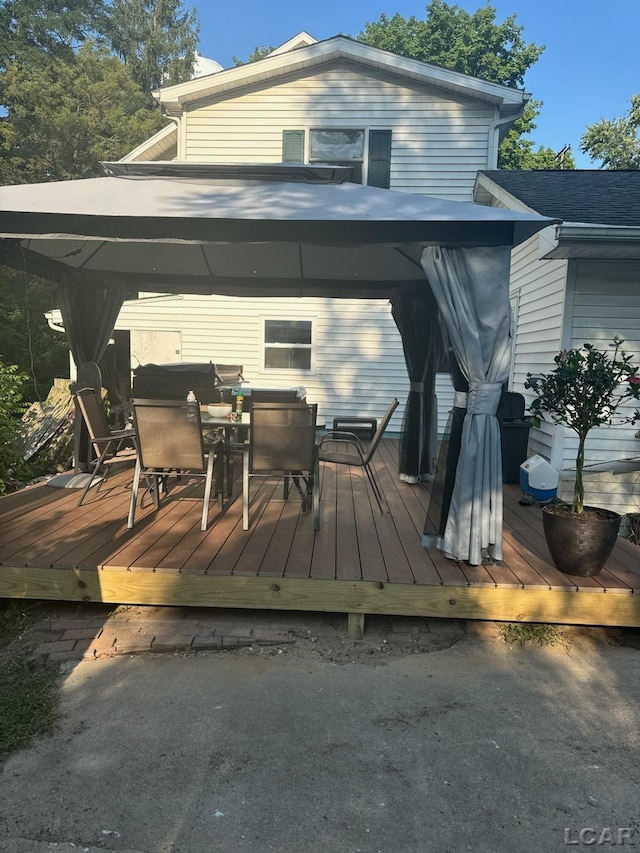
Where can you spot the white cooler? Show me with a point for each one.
(539, 478)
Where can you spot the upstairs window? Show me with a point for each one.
(343, 147)
(287, 344)
(338, 148)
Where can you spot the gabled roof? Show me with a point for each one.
(303, 56)
(600, 209)
(160, 146)
(605, 197)
(301, 40)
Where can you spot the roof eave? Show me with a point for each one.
(595, 242)
(486, 191)
(175, 98)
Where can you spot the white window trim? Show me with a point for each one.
(274, 371)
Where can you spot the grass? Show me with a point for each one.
(28, 696)
(526, 633)
(16, 618)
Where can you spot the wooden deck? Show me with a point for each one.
(359, 562)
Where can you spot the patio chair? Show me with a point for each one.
(345, 448)
(283, 443)
(169, 438)
(111, 446)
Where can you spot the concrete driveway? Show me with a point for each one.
(321, 745)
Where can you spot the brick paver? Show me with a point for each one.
(91, 633)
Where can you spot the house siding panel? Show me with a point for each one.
(605, 304)
(539, 288)
(438, 143)
(351, 372)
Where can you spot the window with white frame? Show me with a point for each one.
(340, 147)
(288, 344)
(366, 150)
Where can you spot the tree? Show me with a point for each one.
(155, 39)
(25, 337)
(616, 142)
(35, 31)
(516, 151)
(256, 55)
(11, 410)
(472, 43)
(65, 117)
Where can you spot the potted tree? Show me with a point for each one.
(583, 391)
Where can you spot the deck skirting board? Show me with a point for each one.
(509, 604)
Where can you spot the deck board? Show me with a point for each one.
(360, 561)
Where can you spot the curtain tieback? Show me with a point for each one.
(483, 398)
(416, 386)
(460, 400)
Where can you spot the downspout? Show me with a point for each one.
(180, 145)
(494, 143)
(52, 324)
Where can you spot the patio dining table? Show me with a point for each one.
(229, 429)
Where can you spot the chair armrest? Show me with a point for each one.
(339, 435)
(128, 432)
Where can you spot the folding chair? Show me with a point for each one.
(345, 448)
(283, 443)
(108, 444)
(169, 438)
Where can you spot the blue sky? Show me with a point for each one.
(589, 70)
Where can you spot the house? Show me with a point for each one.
(571, 284)
(400, 124)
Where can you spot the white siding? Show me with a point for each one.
(359, 364)
(438, 141)
(605, 304)
(539, 287)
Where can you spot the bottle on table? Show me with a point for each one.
(192, 402)
(239, 402)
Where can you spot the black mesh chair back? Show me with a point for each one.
(283, 442)
(110, 445)
(169, 437)
(345, 448)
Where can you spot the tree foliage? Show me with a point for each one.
(11, 410)
(615, 142)
(517, 149)
(35, 31)
(25, 337)
(156, 40)
(475, 44)
(66, 116)
(256, 55)
(472, 43)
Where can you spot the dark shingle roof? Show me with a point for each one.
(604, 197)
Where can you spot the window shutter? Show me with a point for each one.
(379, 173)
(293, 146)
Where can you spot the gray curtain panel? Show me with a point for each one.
(471, 287)
(416, 315)
(89, 313)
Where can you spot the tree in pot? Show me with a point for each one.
(584, 390)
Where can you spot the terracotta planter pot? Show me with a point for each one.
(580, 544)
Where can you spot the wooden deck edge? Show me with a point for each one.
(332, 596)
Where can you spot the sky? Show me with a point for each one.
(589, 70)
